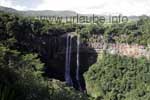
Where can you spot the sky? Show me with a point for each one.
(125, 7)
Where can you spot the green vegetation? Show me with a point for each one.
(119, 78)
(27, 48)
(21, 70)
(134, 32)
(21, 79)
(6, 93)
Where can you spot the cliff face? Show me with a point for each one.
(130, 50)
(97, 42)
(57, 58)
(56, 53)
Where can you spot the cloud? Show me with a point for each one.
(21, 4)
(30, 4)
(9, 3)
(125, 7)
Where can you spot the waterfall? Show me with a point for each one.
(68, 59)
(78, 63)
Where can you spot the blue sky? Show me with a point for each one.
(125, 7)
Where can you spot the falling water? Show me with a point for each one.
(68, 59)
(78, 63)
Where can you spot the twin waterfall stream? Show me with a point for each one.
(68, 78)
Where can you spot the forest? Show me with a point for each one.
(32, 68)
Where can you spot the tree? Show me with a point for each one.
(116, 77)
